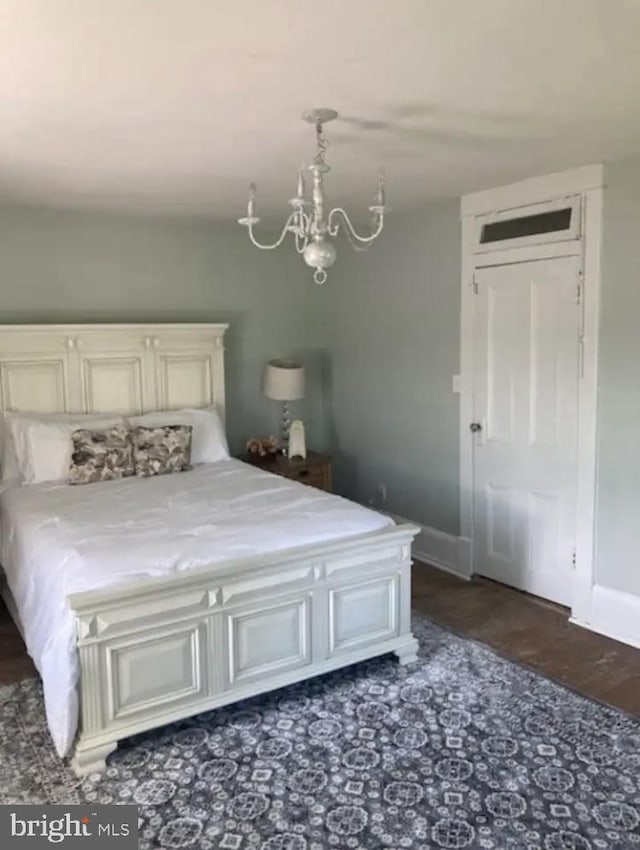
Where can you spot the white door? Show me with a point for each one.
(526, 404)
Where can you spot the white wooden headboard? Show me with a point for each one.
(111, 368)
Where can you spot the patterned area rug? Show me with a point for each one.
(462, 750)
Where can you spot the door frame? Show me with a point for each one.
(588, 183)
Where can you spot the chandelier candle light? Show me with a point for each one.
(312, 227)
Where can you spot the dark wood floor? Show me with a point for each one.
(521, 627)
(533, 632)
(15, 664)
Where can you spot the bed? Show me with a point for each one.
(144, 601)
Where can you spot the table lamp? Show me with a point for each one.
(284, 381)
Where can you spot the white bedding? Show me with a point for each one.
(57, 539)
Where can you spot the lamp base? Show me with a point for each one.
(285, 428)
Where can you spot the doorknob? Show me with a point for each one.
(475, 426)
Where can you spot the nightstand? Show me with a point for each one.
(314, 471)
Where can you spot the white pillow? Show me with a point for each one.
(43, 447)
(10, 468)
(208, 439)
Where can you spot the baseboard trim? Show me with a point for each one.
(447, 552)
(614, 614)
(441, 550)
(464, 557)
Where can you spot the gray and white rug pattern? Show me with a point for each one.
(461, 750)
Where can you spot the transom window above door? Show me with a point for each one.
(555, 221)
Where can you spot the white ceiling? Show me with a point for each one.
(174, 105)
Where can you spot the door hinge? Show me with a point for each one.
(579, 289)
(573, 559)
(474, 285)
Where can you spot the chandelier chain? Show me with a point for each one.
(322, 144)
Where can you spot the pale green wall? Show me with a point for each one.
(380, 339)
(89, 267)
(392, 345)
(392, 318)
(618, 491)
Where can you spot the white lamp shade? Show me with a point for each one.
(284, 380)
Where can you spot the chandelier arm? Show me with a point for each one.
(301, 231)
(333, 229)
(359, 247)
(302, 240)
(281, 239)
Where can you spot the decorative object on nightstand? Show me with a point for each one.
(263, 447)
(284, 381)
(314, 470)
(297, 442)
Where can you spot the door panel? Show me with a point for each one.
(525, 397)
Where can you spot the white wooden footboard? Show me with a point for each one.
(158, 650)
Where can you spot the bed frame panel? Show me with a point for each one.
(125, 369)
(158, 650)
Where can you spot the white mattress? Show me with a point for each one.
(57, 539)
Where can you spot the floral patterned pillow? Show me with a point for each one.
(101, 455)
(161, 450)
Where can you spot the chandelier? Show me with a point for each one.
(309, 223)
